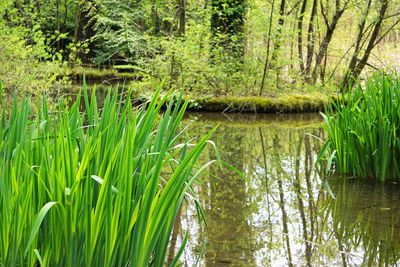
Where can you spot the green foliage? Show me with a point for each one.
(120, 27)
(185, 64)
(363, 133)
(94, 188)
(218, 47)
(227, 25)
(23, 67)
(27, 66)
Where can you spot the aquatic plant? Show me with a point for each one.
(98, 188)
(364, 131)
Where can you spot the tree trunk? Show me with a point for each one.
(38, 6)
(322, 52)
(182, 17)
(58, 23)
(300, 35)
(84, 27)
(266, 64)
(281, 21)
(357, 69)
(155, 22)
(360, 35)
(310, 39)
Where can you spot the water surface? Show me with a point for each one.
(282, 213)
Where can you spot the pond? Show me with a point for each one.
(283, 213)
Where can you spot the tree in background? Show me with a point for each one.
(84, 30)
(274, 45)
(227, 26)
(367, 39)
(120, 28)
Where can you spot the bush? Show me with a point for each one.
(27, 68)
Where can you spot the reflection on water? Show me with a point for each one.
(281, 215)
(366, 221)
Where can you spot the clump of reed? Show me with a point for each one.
(363, 131)
(99, 188)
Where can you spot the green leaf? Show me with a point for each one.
(37, 223)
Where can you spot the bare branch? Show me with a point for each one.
(386, 33)
(293, 8)
(324, 15)
(392, 15)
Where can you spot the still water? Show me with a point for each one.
(282, 213)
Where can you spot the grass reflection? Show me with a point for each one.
(366, 220)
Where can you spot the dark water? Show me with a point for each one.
(281, 214)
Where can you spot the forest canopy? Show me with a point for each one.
(240, 47)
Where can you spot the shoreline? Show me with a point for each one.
(290, 103)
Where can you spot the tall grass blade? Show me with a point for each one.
(363, 132)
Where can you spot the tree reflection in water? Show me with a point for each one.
(281, 215)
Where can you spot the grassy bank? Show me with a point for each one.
(289, 103)
(101, 75)
(281, 103)
(100, 188)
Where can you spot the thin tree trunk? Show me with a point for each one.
(65, 14)
(310, 39)
(308, 163)
(182, 17)
(278, 36)
(275, 52)
(154, 19)
(358, 45)
(58, 23)
(266, 65)
(323, 69)
(38, 6)
(372, 41)
(84, 26)
(282, 199)
(297, 189)
(300, 35)
(327, 38)
(292, 47)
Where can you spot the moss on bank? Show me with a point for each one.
(287, 103)
(291, 103)
(101, 75)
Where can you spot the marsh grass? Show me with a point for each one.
(364, 131)
(88, 189)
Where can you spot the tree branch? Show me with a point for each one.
(383, 35)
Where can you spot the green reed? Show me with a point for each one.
(364, 129)
(99, 188)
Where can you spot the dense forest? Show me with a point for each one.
(239, 47)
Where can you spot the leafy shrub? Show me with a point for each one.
(27, 68)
